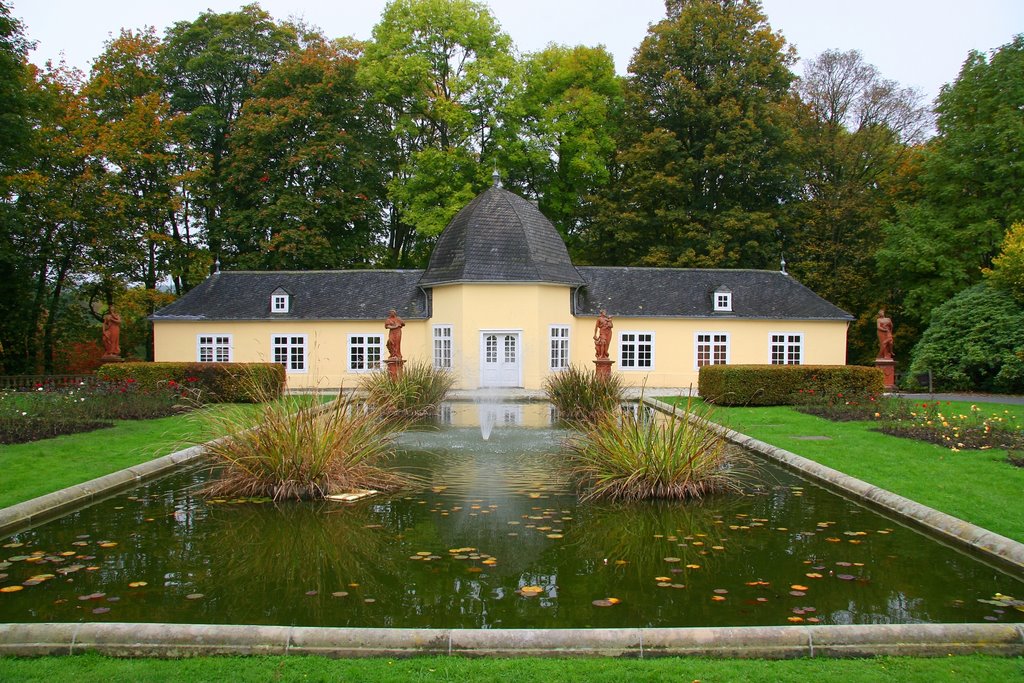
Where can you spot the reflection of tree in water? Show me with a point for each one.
(279, 553)
(645, 533)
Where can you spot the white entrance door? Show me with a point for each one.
(500, 359)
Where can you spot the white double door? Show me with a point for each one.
(501, 363)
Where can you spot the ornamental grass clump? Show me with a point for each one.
(582, 396)
(632, 457)
(299, 448)
(417, 392)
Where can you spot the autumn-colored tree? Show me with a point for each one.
(442, 69)
(305, 167)
(859, 130)
(707, 159)
(209, 66)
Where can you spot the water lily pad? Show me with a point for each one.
(605, 602)
(718, 598)
(101, 610)
(194, 596)
(798, 587)
(108, 544)
(797, 593)
(339, 594)
(672, 559)
(720, 591)
(846, 577)
(137, 584)
(693, 566)
(555, 536)
(311, 593)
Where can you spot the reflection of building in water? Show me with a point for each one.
(444, 414)
(471, 414)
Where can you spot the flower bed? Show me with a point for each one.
(49, 410)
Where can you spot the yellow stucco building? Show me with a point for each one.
(502, 305)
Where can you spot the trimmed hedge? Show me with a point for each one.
(779, 385)
(215, 382)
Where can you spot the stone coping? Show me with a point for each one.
(1003, 552)
(762, 642)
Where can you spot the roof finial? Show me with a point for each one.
(782, 264)
(496, 176)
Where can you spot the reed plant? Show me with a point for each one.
(299, 448)
(582, 396)
(416, 392)
(631, 457)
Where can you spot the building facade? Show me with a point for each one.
(501, 305)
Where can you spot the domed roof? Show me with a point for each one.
(500, 237)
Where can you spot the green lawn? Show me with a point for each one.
(40, 467)
(86, 668)
(978, 486)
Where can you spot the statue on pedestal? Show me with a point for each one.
(394, 325)
(602, 335)
(112, 334)
(885, 347)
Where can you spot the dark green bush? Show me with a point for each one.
(211, 382)
(778, 385)
(975, 342)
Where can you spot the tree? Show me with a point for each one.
(706, 161)
(858, 132)
(1007, 272)
(442, 69)
(210, 66)
(970, 179)
(305, 167)
(562, 147)
(975, 342)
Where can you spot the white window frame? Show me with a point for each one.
(366, 345)
(219, 346)
(715, 341)
(280, 303)
(636, 343)
(787, 342)
(723, 301)
(558, 347)
(444, 347)
(292, 342)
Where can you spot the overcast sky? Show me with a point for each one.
(920, 43)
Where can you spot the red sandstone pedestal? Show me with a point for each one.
(888, 368)
(603, 367)
(395, 367)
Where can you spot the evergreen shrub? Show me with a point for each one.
(780, 385)
(211, 382)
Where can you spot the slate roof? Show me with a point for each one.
(315, 295)
(500, 237)
(688, 292)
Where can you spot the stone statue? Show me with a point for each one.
(394, 325)
(112, 333)
(602, 335)
(884, 336)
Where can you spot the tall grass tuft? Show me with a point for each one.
(581, 396)
(300, 448)
(638, 457)
(417, 392)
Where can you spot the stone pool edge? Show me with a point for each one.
(43, 508)
(987, 545)
(761, 642)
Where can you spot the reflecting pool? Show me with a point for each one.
(493, 538)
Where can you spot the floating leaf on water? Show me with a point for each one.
(720, 591)
(795, 620)
(693, 566)
(13, 545)
(662, 578)
(555, 536)
(424, 553)
(813, 620)
(108, 544)
(605, 602)
(664, 584)
(762, 599)
(194, 596)
(101, 610)
(137, 584)
(18, 558)
(833, 539)
(369, 601)
(672, 559)
(339, 594)
(798, 587)
(311, 593)
(718, 598)
(813, 575)
(474, 570)
(797, 593)
(846, 577)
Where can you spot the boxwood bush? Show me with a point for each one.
(214, 382)
(778, 385)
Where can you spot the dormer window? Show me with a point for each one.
(723, 299)
(280, 301)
